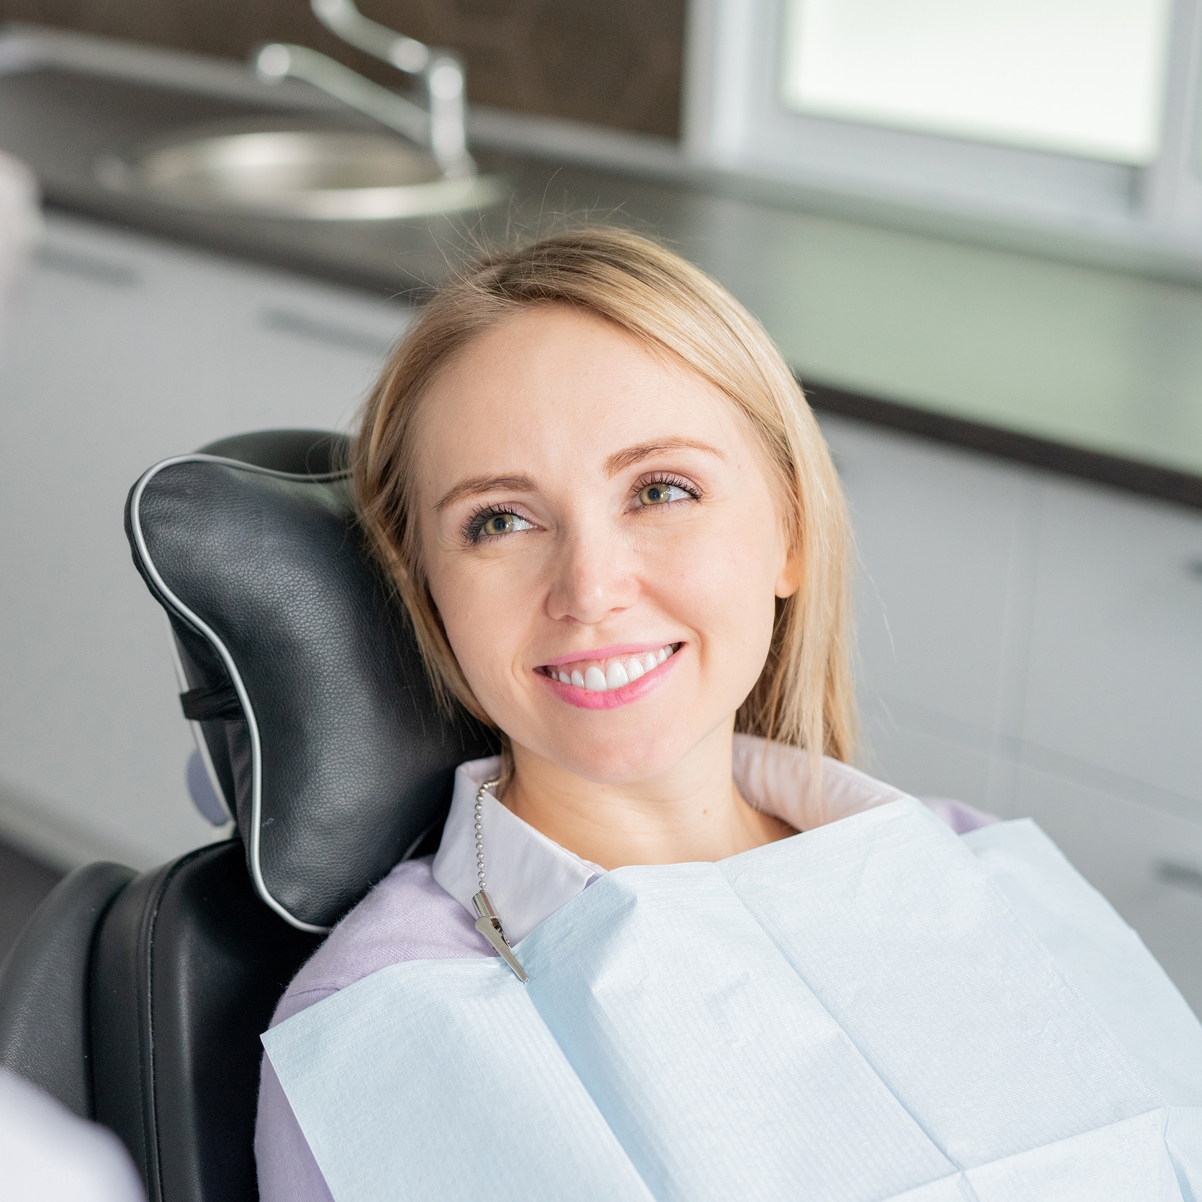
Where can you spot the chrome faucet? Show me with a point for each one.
(441, 126)
(441, 71)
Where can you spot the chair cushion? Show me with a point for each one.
(44, 986)
(328, 743)
(186, 971)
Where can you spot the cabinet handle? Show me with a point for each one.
(284, 321)
(88, 267)
(1184, 876)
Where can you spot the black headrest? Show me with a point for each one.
(303, 673)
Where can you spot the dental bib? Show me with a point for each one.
(875, 1009)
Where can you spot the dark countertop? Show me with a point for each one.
(1082, 370)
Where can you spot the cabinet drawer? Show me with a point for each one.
(1146, 862)
(1115, 669)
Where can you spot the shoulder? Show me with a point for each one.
(407, 916)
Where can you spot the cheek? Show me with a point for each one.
(475, 628)
(480, 627)
(491, 611)
(720, 580)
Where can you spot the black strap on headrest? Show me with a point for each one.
(215, 703)
(303, 671)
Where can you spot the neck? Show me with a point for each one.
(691, 812)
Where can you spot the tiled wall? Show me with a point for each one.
(613, 63)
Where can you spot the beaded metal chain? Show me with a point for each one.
(484, 788)
(489, 922)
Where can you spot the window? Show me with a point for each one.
(1081, 114)
(1079, 76)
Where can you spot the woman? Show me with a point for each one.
(619, 535)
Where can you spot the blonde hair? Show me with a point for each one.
(804, 694)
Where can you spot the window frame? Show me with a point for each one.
(735, 121)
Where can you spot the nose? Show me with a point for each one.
(594, 575)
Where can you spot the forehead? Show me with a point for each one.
(554, 383)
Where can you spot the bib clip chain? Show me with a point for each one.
(489, 921)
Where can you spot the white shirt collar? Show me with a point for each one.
(530, 876)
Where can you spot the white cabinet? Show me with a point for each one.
(1032, 645)
(1111, 740)
(1148, 864)
(1115, 676)
(121, 351)
(943, 541)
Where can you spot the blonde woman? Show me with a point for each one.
(622, 543)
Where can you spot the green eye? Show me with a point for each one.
(494, 525)
(660, 494)
(499, 523)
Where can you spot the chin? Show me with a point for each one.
(622, 758)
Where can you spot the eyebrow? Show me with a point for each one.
(476, 486)
(620, 460)
(479, 485)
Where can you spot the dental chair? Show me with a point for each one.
(138, 1000)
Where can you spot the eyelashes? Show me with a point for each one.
(665, 478)
(474, 529)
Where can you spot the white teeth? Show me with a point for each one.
(615, 675)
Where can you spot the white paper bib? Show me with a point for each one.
(872, 1010)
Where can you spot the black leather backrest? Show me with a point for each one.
(44, 986)
(187, 969)
(333, 751)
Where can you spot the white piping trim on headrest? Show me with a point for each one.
(256, 756)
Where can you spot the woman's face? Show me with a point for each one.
(601, 541)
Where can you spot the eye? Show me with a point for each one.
(662, 492)
(495, 523)
(499, 523)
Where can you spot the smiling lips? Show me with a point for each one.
(609, 674)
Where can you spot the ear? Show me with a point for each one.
(788, 581)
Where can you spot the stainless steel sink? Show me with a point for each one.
(321, 174)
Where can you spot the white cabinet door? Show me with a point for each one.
(121, 351)
(1115, 673)
(1147, 863)
(944, 541)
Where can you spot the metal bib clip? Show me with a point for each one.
(489, 925)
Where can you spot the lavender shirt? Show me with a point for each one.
(422, 909)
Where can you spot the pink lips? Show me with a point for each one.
(585, 699)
